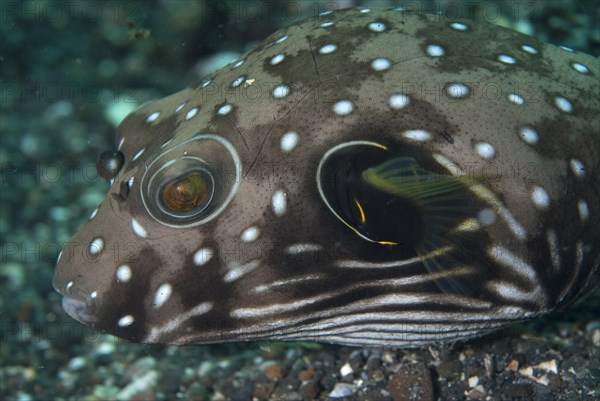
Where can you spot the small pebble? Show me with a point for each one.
(412, 382)
(140, 384)
(473, 381)
(518, 390)
(342, 390)
(274, 372)
(513, 365)
(476, 393)
(309, 390)
(306, 374)
(77, 363)
(346, 370)
(596, 338)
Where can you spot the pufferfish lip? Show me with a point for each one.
(78, 309)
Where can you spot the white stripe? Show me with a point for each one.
(554, 249)
(282, 283)
(511, 292)
(174, 323)
(395, 263)
(575, 272)
(362, 264)
(377, 302)
(295, 249)
(486, 195)
(513, 262)
(236, 270)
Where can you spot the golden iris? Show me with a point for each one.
(187, 192)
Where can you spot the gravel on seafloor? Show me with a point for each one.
(68, 77)
(516, 364)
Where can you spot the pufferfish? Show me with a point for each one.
(366, 177)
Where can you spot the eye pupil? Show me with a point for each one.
(186, 193)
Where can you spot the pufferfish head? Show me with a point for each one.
(350, 180)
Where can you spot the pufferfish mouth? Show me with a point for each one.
(78, 309)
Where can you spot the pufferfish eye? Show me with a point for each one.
(191, 191)
(191, 183)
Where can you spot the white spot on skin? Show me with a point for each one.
(162, 295)
(237, 64)
(289, 140)
(125, 321)
(506, 59)
(206, 82)
(516, 99)
(96, 246)
(153, 116)
(457, 90)
(130, 181)
(138, 229)
(281, 91)
(577, 167)
(225, 109)
(459, 26)
(138, 154)
(377, 26)
(417, 135)
(238, 81)
(69, 285)
(328, 48)
(567, 49)
(343, 107)
(398, 101)
(279, 202)
(540, 198)
(276, 59)
(93, 214)
(327, 24)
(250, 234)
(281, 39)
(178, 109)
(191, 113)
(529, 49)
(94, 294)
(563, 104)
(486, 217)
(529, 135)
(485, 150)
(381, 64)
(584, 210)
(435, 50)
(121, 143)
(123, 273)
(365, 10)
(580, 68)
(203, 256)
